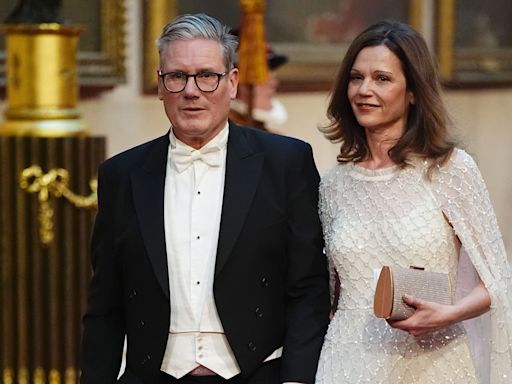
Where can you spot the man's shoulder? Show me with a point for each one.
(130, 157)
(269, 140)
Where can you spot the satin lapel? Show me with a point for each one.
(243, 171)
(148, 195)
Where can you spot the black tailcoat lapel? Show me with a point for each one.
(148, 194)
(243, 171)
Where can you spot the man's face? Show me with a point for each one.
(196, 116)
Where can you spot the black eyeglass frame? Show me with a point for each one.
(194, 75)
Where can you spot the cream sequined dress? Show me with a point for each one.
(398, 217)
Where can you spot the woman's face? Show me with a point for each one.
(377, 90)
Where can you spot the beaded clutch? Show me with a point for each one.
(395, 282)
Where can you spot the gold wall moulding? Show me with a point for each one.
(54, 183)
(23, 376)
(39, 376)
(8, 376)
(54, 376)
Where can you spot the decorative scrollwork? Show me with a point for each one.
(54, 183)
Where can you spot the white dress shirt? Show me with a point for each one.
(193, 205)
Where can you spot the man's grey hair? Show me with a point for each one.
(200, 26)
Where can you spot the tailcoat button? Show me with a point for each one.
(258, 312)
(141, 324)
(146, 359)
(264, 282)
(251, 346)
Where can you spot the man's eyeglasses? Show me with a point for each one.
(177, 81)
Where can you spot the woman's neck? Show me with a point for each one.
(379, 144)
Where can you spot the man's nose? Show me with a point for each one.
(191, 86)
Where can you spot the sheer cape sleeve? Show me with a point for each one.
(460, 191)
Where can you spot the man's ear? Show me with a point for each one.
(160, 86)
(233, 81)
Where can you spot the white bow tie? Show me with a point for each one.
(183, 157)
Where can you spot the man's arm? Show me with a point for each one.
(307, 279)
(103, 322)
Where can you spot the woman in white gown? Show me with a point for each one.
(402, 194)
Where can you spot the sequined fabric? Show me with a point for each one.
(398, 217)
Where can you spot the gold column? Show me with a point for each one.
(48, 166)
(42, 80)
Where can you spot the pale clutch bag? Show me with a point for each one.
(395, 282)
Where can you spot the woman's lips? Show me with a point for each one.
(367, 106)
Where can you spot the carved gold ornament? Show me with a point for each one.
(54, 183)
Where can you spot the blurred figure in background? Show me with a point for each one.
(268, 112)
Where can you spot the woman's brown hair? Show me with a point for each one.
(426, 133)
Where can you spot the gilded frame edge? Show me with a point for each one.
(445, 28)
(451, 62)
(103, 68)
(106, 68)
(155, 14)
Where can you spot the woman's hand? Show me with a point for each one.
(428, 317)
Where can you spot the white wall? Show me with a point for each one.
(483, 119)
